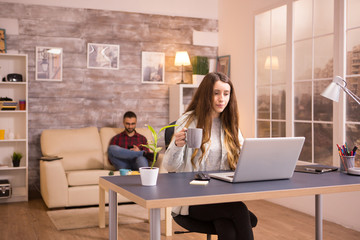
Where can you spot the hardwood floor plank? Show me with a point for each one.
(29, 220)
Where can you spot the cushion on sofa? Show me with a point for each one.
(80, 148)
(87, 177)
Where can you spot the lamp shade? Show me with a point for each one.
(274, 62)
(332, 92)
(182, 59)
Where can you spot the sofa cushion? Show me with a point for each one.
(80, 148)
(107, 133)
(86, 177)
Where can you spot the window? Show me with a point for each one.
(271, 72)
(352, 124)
(313, 71)
(300, 110)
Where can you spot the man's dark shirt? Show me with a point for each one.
(125, 141)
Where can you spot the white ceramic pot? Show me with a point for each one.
(149, 175)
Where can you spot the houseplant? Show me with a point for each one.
(16, 157)
(200, 67)
(149, 175)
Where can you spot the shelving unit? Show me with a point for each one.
(180, 96)
(15, 121)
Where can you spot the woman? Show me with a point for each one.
(214, 109)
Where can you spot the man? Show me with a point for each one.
(126, 150)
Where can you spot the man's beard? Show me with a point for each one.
(130, 130)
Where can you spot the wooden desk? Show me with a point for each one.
(173, 189)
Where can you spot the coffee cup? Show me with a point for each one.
(194, 137)
(124, 172)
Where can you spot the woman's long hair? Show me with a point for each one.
(201, 110)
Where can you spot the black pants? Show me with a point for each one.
(232, 221)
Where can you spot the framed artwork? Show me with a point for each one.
(2, 40)
(152, 69)
(49, 64)
(103, 56)
(223, 65)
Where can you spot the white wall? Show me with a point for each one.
(236, 38)
(185, 8)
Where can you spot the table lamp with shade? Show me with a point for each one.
(182, 59)
(332, 92)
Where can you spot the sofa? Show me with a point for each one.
(73, 180)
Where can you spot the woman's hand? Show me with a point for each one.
(180, 137)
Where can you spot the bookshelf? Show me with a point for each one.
(15, 124)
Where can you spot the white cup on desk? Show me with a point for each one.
(194, 137)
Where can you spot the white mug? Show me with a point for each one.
(194, 137)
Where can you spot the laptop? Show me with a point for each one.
(265, 159)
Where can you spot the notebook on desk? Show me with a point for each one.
(265, 159)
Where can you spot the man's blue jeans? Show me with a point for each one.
(125, 158)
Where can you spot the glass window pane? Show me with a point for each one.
(278, 102)
(304, 130)
(263, 103)
(303, 60)
(263, 129)
(353, 16)
(279, 64)
(263, 72)
(278, 25)
(353, 52)
(302, 19)
(323, 143)
(353, 139)
(302, 101)
(323, 17)
(278, 129)
(262, 30)
(323, 57)
(323, 107)
(352, 108)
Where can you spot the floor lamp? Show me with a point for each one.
(182, 59)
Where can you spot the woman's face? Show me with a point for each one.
(221, 97)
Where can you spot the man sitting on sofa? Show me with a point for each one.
(125, 150)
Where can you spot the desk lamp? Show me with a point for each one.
(182, 59)
(332, 92)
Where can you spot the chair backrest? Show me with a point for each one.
(169, 132)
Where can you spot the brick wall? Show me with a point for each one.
(97, 97)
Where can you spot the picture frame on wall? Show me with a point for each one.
(2, 40)
(48, 64)
(153, 67)
(103, 56)
(223, 65)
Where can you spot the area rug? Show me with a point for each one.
(76, 218)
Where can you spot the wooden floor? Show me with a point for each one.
(29, 220)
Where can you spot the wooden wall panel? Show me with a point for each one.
(98, 97)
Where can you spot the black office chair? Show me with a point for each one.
(206, 227)
(169, 132)
(190, 224)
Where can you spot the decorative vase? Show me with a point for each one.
(149, 175)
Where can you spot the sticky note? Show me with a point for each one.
(197, 182)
